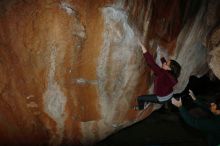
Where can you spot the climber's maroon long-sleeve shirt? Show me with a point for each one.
(164, 80)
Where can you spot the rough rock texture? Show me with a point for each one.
(71, 69)
(213, 38)
(214, 45)
(192, 44)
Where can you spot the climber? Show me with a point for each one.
(210, 125)
(164, 81)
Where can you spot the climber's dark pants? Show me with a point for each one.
(147, 98)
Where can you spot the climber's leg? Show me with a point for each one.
(144, 99)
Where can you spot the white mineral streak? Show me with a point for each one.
(119, 48)
(55, 101)
(190, 52)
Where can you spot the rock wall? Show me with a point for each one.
(71, 70)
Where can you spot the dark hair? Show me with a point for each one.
(175, 68)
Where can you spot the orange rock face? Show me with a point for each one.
(72, 69)
(63, 75)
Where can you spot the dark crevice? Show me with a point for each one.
(204, 88)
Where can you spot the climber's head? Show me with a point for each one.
(173, 66)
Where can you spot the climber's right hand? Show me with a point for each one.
(144, 50)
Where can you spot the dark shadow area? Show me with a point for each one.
(165, 127)
(159, 129)
(203, 88)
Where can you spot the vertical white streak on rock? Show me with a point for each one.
(119, 48)
(55, 101)
(147, 18)
(190, 52)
